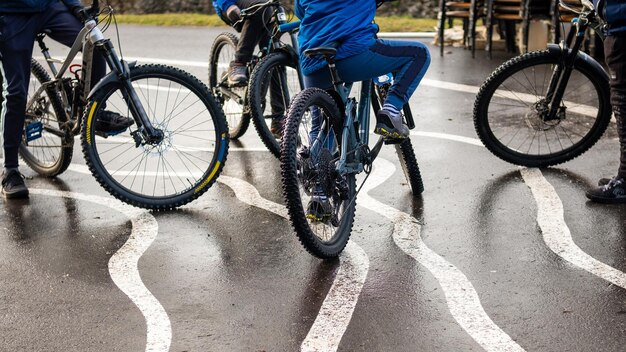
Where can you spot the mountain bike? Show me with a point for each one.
(546, 107)
(170, 155)
(324, 147)
(274, 77)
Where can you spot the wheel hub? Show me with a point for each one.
(537, 117)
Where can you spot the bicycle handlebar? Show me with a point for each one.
(288, 27)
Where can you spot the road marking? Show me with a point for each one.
(336, 312)
(338, 306)
(123, 265)
(556, 233)
(463, 301)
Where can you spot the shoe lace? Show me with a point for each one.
(614, 182)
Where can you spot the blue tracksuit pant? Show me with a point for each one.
(408, 60)
(17, 37)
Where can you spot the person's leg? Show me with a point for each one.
(615, 54)
(253, 31)
(408, 60)
(17, 35)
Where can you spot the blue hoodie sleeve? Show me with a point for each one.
(298, 9)
(222, 5)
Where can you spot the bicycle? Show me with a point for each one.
(325, 158)
(274, 77)
(546, 107)
(172, 153)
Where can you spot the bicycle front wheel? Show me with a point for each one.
(232, 99)
(45, 146)
(510, 111)
(161, 174)
(274, 81)
(320, 202)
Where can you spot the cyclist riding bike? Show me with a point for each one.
(253, 31)
(614, 13)
(348, 26)
(20, 22)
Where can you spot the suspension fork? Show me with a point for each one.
(563, 71)
(120, 68)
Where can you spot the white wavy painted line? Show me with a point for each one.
(336, 311)
(123, 266)
(556, 233)
(462, 298)
(338, 306)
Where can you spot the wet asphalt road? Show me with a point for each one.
(472, 265)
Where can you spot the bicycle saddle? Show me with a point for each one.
(327, 52)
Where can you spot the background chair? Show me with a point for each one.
(469, 11)
(508, 13)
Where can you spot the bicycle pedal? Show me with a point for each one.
(390, 140)
(33, 130)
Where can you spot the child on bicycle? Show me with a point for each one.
(253, 32)
(20, 22)
(614, 13)
(348, 26)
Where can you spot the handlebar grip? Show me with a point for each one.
(80, 13)
(288, 27)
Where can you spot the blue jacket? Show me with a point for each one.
(614, 13)
(346, 23)
(31, 6)
(222, 5)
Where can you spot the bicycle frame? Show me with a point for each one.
(89, 39)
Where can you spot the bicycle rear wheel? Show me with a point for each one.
(165, 174)
(308, 157)
(405, 151)
(49, 152)
(510, 111)
(232, 99)
(274, 81)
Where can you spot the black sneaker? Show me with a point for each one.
(390, 127)
(612, 192)
(319, 208)
(237, 74)
(13, 185)
(112, 123)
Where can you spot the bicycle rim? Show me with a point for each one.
(177, 169)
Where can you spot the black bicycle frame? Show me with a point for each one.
(563, 71)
